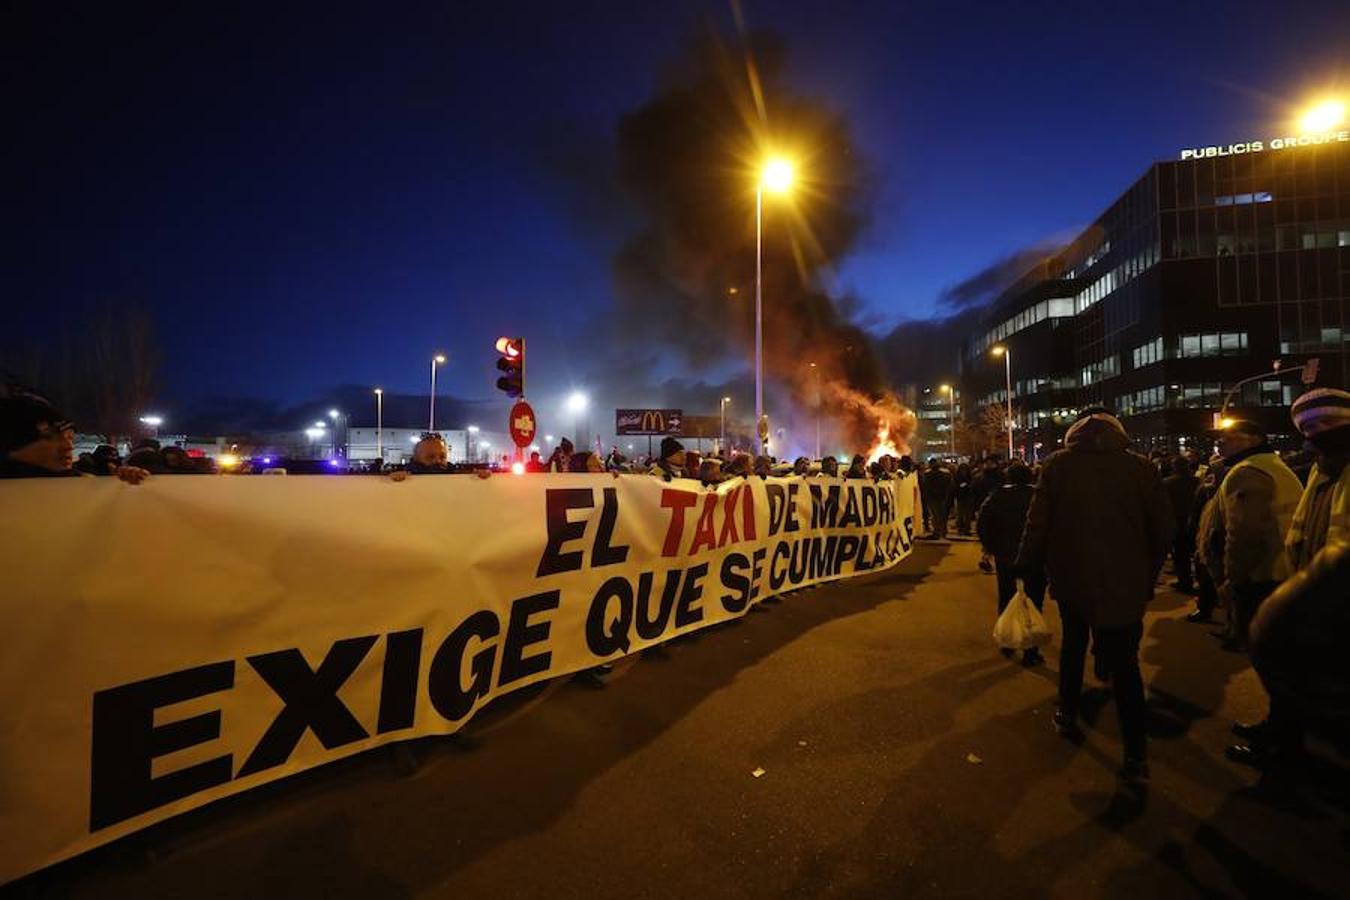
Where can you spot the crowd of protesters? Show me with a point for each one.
(1264, 538)
(1260, 536)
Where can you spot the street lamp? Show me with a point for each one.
(379, 424)
(816, 369)
(154, 422)
(1324, 116)
(335, 415)
(1000, 350)
(576, 405)
(722, 410)
(438, 359)
(951, 419)
(777, 177)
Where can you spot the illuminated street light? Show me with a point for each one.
(152, 421)
(1000, 350)
(379, 424)
(333, 414)
(951, 421)
(320, 425)
(1325, 116)
(576, 405)
(437, 360)
(777, 177)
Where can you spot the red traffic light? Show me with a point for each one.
(512, 362)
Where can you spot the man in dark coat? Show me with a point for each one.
(1100, 526)
(937, 496)
(1181, 487)
(999, 525)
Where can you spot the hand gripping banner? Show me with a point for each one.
(187, 639)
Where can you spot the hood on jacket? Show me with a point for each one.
(1098, 433)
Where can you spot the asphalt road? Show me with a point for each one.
(901, 757)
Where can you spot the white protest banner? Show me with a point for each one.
(176, 642)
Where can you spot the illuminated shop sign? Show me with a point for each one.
(1279, 143)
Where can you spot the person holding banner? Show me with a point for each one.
(37, 441)
(671, 463)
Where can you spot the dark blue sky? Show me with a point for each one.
(325, 194)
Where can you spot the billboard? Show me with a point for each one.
(648, 421)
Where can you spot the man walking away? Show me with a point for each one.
(999, 526)
(1099, 526)
(1298, 635)
(1256, 501)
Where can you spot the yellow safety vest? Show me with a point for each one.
(1288, 493)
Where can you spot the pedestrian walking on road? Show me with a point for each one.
(1100, 526)
(999, 525)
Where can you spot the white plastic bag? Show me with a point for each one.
(1021, 626)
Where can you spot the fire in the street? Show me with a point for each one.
(883, 445)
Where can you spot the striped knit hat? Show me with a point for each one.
(1321, 410)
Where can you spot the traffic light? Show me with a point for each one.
(513, 364)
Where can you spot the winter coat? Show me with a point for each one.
(1257, 500)
(1181, 491)
(1001, 520)
(1099, 525)
(937, 485)
(1298, 635)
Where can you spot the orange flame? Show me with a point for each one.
(883, 445)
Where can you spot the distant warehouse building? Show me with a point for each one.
(1208, 270)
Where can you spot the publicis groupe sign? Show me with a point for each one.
(1279, 143)
(648, 421)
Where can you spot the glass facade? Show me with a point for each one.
(1204, 273)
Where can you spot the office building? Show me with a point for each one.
(1208, 271)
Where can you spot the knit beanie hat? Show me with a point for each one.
(22, 415)
(1321, 410)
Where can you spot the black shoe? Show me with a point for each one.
(1252, 731)
(1260, 756)
(1200, 615)
(1032, 658)
(590, 678)
(1066, 726)
(1134, 770)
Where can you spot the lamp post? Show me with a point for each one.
(576, 405)
(722, 411)
(951, 417)
(438, 359)
(1004, 352)
(379, 424)
(339, 420)
(777, 177)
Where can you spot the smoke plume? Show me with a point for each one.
(689, 160)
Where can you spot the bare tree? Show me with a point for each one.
(122, 372)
